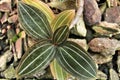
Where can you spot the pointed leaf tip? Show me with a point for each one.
(34, 22)
(76, 61)
(64, 18)
(36, 59)
(42, 7)
(60, 35)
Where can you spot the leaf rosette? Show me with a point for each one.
(53, 44)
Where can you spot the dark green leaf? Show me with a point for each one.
(36, 59)
(60, 35)
(34, 22)
(76, 61)
(43, 7)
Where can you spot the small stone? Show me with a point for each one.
(113, 18)
(81, 42)
(6, 57)
(99, 59)
(118, 63)
(106, 29)
(3, 31)
(8, 27)
(113, 75)
(5, 5)
(92, 13)
(104, 46)
(63, 5)
(9, 72)
(79, 28)
(113, 3)
(13, 19)
(13, 11)
(101, 75)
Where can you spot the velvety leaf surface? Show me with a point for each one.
(34, 22)
(43, 7)
(76, 61)
(36, 59)
(57, 71)
(64, 18)
(60, 35)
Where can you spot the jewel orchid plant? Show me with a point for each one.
(52, 36)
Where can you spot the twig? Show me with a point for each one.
(79, 12)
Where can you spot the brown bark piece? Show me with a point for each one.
(18, 46)
(92, 13)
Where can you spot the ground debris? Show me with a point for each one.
(113, 18)
(118, 63)
(6, 57)
(101, 75)
(9, 72)
(92, 13)
(13, 19)
(4, 18)
(81, 42)
(106, 29)
(104, 46)
(113, 75)
(5, 5)
(99, 59)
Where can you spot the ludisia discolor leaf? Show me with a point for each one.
(61, 35)
(43, 7)
(76, 61)
(64, 18)
(34, 22)
(37, 58)
(57, 71)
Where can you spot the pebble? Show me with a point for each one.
(100, 59)
(13, 18)
(101, 75)
(81, 42)
(6, 57)
(3, 31)
(5, 5)
(104, 46)
(113, 75)
(113, 18)
(118, 63)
